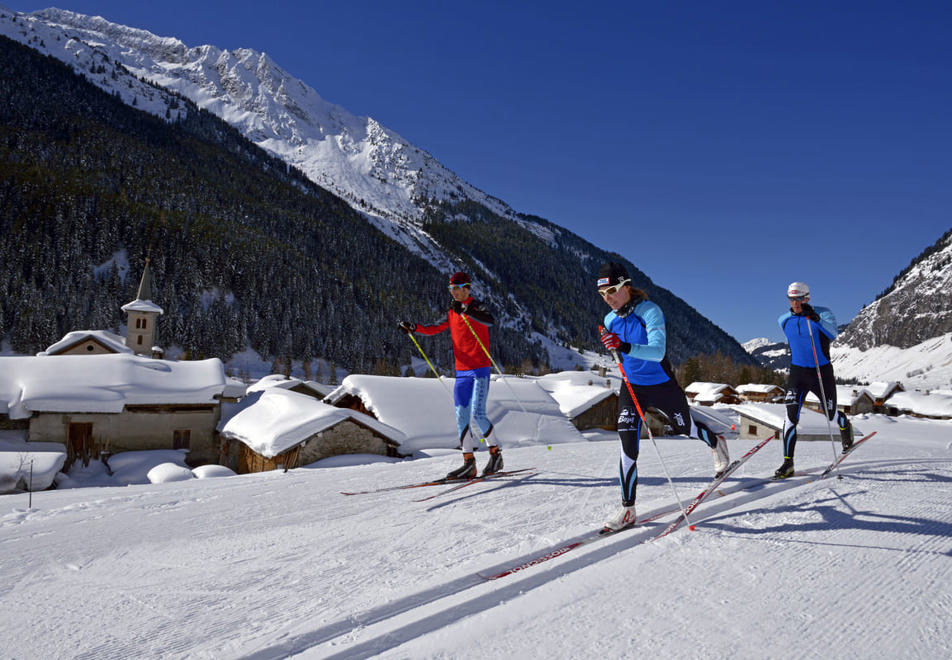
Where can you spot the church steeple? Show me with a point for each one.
(143, 317)
(145, 284)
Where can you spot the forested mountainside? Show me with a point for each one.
(544, 272)
(917, 305)
(246, 251)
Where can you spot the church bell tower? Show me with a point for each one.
(143, 316)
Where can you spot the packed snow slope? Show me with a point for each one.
(282, 564)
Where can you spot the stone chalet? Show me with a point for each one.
(930, 405)
(758, 420)
(278, 428)
(104, 404)
(588, 399)
(761, 393)
(850, 399)
(881, 391)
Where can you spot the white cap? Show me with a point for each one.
(797, 290)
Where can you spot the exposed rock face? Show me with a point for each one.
(917, 307)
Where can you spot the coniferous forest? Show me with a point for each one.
(245, 251)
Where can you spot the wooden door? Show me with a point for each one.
(80, 442)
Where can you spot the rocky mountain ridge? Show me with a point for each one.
(915, 308)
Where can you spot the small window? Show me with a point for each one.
(181, 438)
(138, 324)
(145, 323)
(752, 429)
(139, 340)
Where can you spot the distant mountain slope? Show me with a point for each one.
(926, 366)
(770, 354)
(535, 273)
(915, 308)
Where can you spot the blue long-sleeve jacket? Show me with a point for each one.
(643, 328)
(795, 327)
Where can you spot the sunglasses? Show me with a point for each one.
(457, 287)
(612, 290)
(797, 298)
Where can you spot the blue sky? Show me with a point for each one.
(724, 148)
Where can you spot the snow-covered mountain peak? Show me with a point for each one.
(112, 34)
(370, 166)
(753, 344)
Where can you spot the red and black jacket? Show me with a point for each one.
(467, 351)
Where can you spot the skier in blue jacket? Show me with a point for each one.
(808, 330)
(635, 329)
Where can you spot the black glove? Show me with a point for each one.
(457, 307)
(808, 311)
(406, 327)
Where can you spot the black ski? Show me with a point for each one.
(474, 480)
(424, 484)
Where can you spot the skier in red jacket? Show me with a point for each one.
(468, 321)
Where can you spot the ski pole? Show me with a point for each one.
(641, 414)
(486, 351)
(819, 377)
(439, 378)
(432, 368)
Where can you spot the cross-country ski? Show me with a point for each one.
(476, 480)
(435, 482)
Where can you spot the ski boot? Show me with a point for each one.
(721, 458)
(785, 470)
(846, 433)
(495, 461)
(466, 471)
(624, 518)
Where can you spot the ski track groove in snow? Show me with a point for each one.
(426, 617)
(389, 627)
(831, 515)
(270, 567)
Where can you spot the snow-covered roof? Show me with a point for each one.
(758, 388)
(708, 392)
(773, 415)
(882, 389)
(577, 391)
(704, 388)
(290, 383)
(273, 380)
(30, 464)
(103, 383)
(142, 306)
(108, 339)
(281, 419)
(719, 418)
(234, 388)
(930, 404)
(423, 409)
(844, 394)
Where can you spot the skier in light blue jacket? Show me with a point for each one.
(809, 331)
(635, 331)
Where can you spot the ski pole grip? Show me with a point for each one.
(602, 332)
